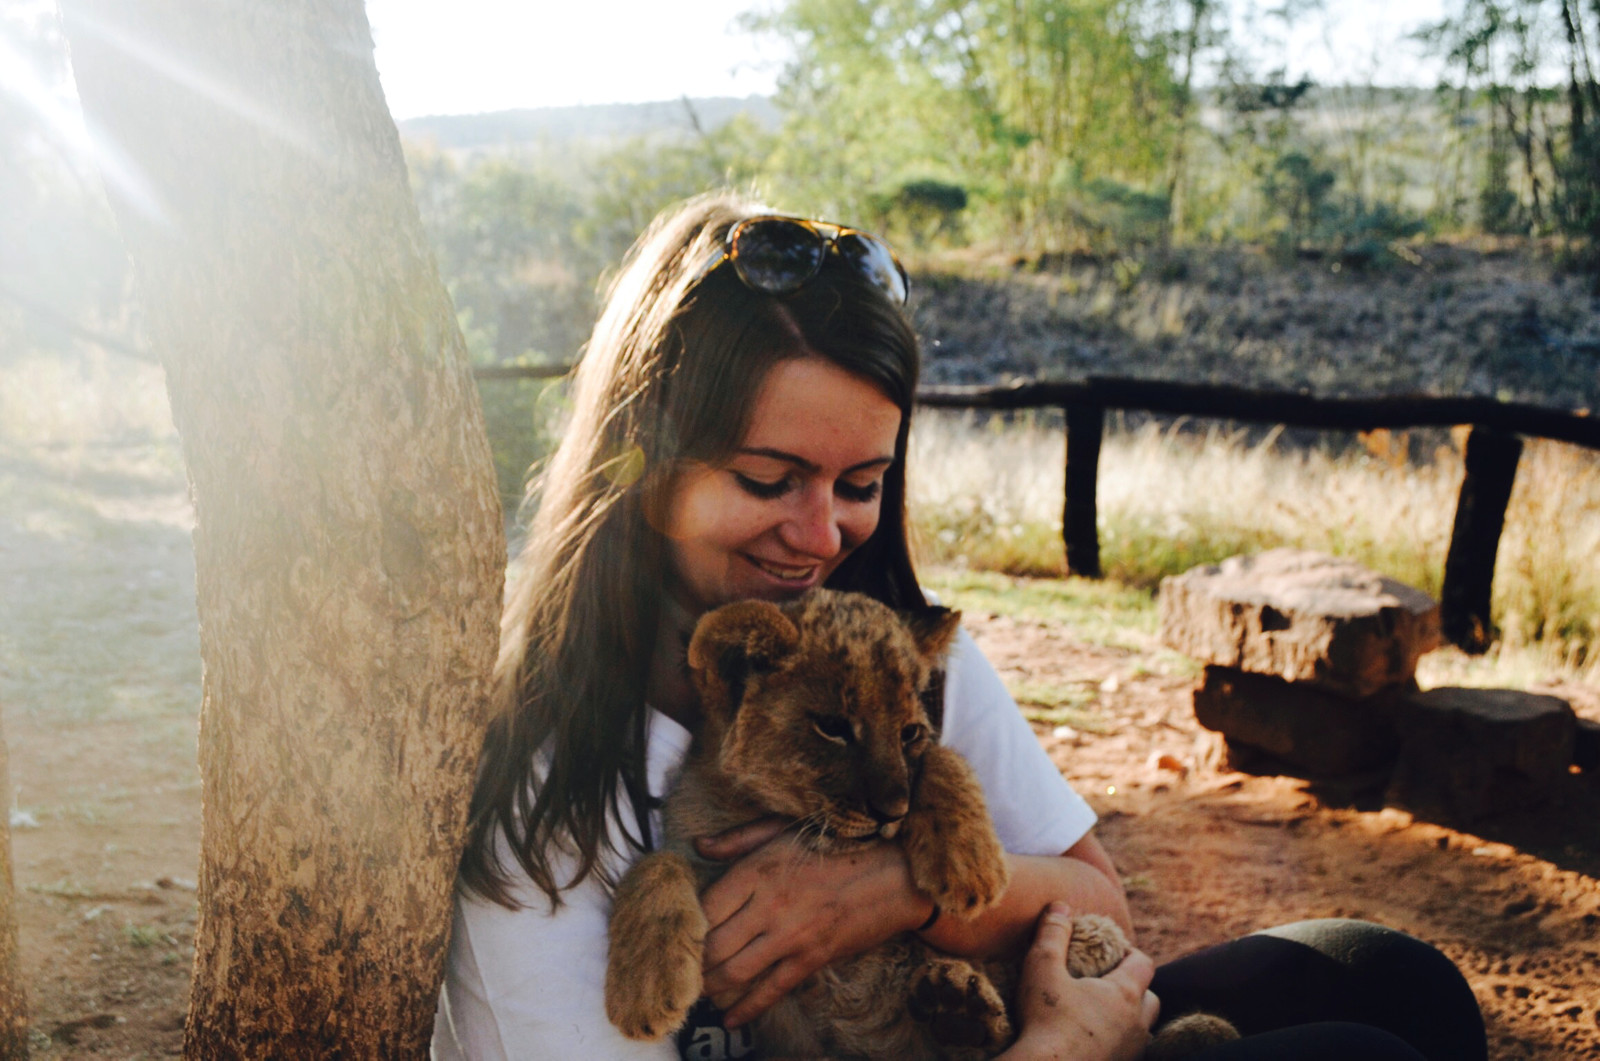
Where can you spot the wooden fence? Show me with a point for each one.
(1494, 446)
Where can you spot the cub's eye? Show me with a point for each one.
(832, 727)
(913, 733)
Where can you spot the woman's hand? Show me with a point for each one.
(1105, 1018)
(781, 912)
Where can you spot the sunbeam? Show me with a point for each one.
(224, 95)
(82, 144)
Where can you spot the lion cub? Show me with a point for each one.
(813, 712)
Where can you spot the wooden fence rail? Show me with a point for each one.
(1492, 452)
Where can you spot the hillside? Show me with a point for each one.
(595, 125)
(1455, 320)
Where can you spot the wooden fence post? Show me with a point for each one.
(1491, 468)
(1079, 529)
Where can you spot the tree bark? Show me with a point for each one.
(13, 999)
(348, 542)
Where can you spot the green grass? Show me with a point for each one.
(143, 937)
(63, 888)
(1099, 611)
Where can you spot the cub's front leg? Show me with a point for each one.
(949, 840)
(658, 934)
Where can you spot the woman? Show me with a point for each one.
(739, 430)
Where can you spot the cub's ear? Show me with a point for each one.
(934, 628)
(731, 642)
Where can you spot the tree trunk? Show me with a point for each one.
(348, 540)
(13, 1000)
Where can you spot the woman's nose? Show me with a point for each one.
(813, 528)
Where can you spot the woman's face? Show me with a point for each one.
(801, 491)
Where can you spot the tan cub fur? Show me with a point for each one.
(812, 711)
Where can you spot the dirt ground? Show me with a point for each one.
(99, 685)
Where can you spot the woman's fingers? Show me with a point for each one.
(1134, 973)
(728, 897)
(765, 992)
(740, 840)
(1149, 1009)
(1053, 936)
(742, 965)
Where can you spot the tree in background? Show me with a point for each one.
(348, 543)
(1504, 52)
(1024, 102)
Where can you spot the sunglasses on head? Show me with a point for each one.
(779, 255)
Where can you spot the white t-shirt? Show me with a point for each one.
(529, 984)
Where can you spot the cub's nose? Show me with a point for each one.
(890, 817)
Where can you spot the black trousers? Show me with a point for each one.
(1328, 989)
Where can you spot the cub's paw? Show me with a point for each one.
(949, 840)
(652, 980)
(1098, 946)
(657, 932)
(960, 1006)
(1187, 1035)
(964, 871)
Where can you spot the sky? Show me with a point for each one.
(482, 55)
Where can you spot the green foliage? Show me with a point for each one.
(633, 182)
(1578, 198)
(523, 251)
(523, 419)
(1012, 100)
(1498, 209)
(511, 251)
(1122, 215)
(1297, 188)
(922, 212)
(1499, 51)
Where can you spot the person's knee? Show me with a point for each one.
(1408, 985)
(1315, 1042)
(1376, 953)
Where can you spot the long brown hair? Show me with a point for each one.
(670, 374)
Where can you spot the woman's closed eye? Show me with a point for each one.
(764, 489)
(860, 492)
(771, 489)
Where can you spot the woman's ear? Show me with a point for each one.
(733, 642)
(934, 628)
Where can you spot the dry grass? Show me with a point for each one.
(988, 497)
(60, 402)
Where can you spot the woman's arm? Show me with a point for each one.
(781, 913)
(1083, 877)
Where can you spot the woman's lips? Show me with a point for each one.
(785, 572)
